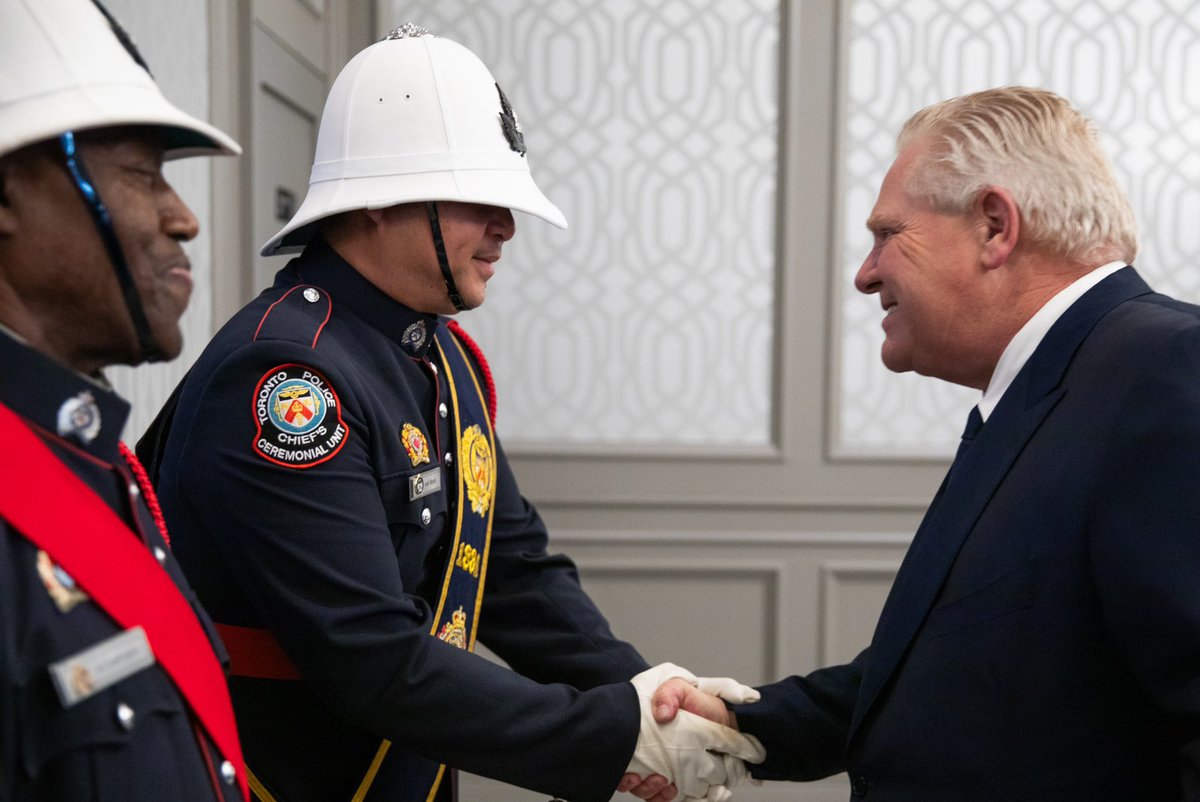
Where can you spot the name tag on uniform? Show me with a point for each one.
(424, 484)
(86, 673)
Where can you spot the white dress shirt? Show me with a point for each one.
(1026, 341)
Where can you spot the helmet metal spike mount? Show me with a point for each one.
(408, 30)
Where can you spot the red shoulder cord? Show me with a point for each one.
(143, 480)
(477, 352)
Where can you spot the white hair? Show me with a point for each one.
(1039, 148)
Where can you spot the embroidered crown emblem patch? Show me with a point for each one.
(454, 631)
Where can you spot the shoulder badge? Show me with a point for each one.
(479, 469)
(299, 417)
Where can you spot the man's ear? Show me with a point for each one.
(1002, 225)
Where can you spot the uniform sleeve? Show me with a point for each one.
(536, 615)
(311, 550)
(1145, 542)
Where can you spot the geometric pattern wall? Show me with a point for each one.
(654, 127)
(1131, 67)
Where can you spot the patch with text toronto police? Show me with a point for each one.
(299, 417)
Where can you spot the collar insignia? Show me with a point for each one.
(79, 417)
(414, 336)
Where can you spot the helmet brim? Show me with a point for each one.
(86, 108)
(511, 189)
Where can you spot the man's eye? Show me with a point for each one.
(148, 175)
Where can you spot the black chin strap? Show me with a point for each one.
(440, 246)
(150, 351)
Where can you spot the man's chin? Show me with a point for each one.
(894, 360)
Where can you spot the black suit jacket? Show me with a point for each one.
(1042, 638)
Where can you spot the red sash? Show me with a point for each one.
(57, 512)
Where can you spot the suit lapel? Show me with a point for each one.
(965, 494)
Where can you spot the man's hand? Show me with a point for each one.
(655, 788)
(703, 759)
(676, 694)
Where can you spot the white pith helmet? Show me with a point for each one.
(62, 68)
(414, 117)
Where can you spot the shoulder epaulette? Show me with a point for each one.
(299, 316)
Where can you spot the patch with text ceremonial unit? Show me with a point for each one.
(299, 417)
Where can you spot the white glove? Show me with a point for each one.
(703, 759)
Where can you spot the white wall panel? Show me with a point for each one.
(756, 607)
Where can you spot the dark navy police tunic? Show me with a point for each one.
(136, 740)
(331, 545)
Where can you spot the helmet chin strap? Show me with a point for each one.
(439, 245)
(149, 350)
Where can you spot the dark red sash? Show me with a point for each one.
(57, 512)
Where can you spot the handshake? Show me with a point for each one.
(697, 751)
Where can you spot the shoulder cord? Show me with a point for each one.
(143, 480)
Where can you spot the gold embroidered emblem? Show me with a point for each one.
(479, 469)
(59, 584)
(454, 631)
(415, 444)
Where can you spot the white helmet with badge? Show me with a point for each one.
(415, 117)
(65, 65)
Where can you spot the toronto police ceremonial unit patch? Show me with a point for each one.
(299, 417)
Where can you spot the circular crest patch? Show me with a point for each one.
(479, 469)
(299, 417)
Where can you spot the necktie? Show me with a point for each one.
(974, 424)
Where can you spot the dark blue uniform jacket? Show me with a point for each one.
(342, 566)
(135, 740)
